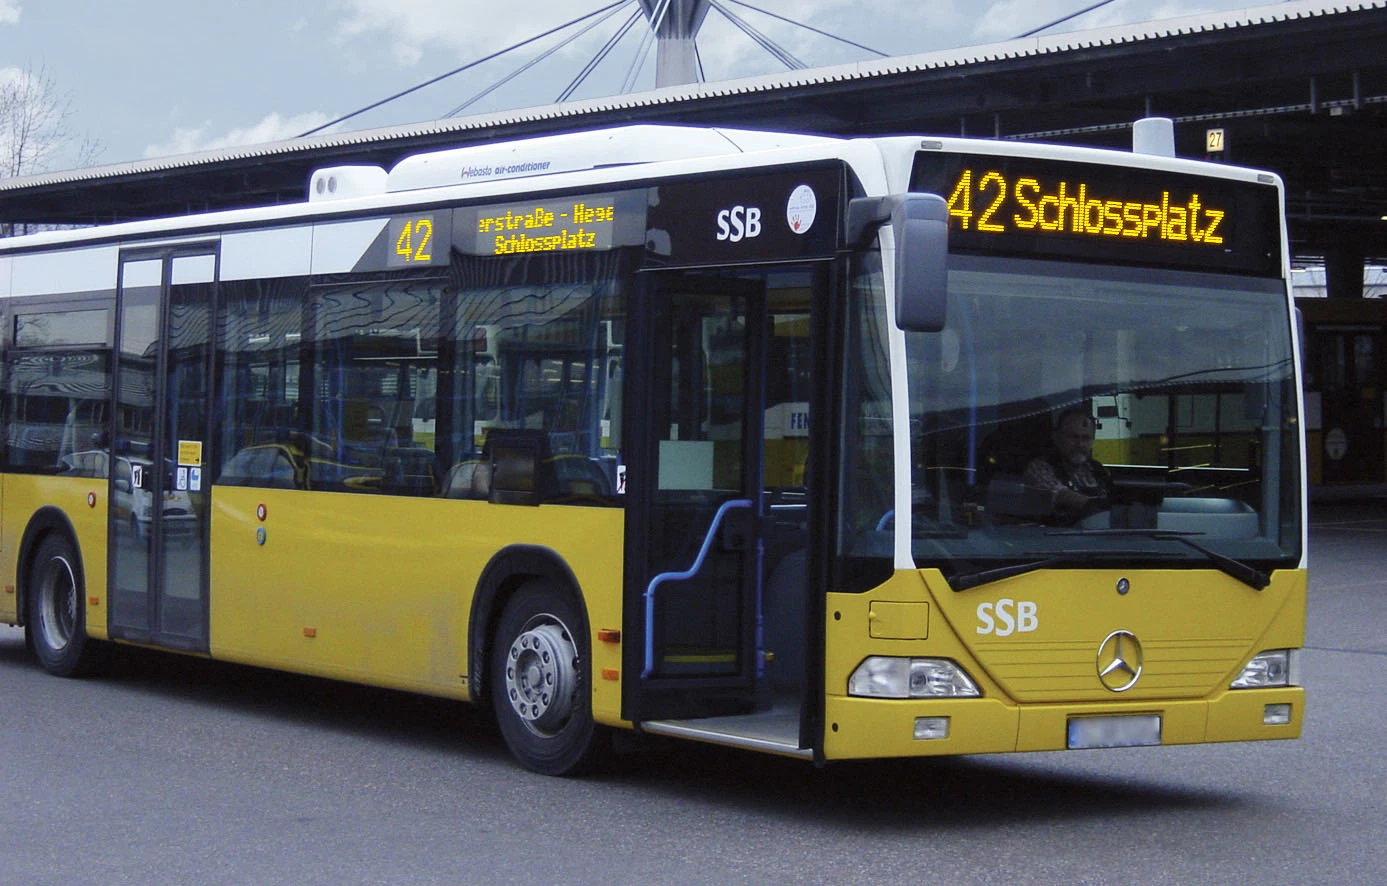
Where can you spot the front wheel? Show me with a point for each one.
(57, 630)
(540, 685)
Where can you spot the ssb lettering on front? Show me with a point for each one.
(1007, 617)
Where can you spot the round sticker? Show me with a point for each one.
(800, 211)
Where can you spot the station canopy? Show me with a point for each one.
(1299, 88)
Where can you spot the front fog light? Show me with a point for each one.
(1271, 668)
(1276, 714)
(931, 728)
(881, 676)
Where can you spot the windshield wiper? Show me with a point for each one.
(1243, 572)
(1044, 560)
(968, 580)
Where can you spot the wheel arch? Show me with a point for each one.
(508, 570)
(45, 521)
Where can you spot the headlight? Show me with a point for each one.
(880, 676)
(1275, 667)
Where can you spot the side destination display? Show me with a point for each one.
(1098, 212)
(580, 223)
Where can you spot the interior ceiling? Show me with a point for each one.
(1306, 98)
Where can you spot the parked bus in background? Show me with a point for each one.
(706, 433)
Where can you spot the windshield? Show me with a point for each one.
(1076, 413)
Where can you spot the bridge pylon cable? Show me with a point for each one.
(599, 57)
(633, 71)
(459, 70)
(821, 33)
(774, 49)
(610, 11)
(1059, 21)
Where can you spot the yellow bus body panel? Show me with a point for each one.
(1197, 629)
(378, 589)
(83, 501)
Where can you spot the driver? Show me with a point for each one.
(1067, 469)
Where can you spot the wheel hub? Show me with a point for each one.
(541, 676)
(58, 604)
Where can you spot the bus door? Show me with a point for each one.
(705, 533)
(159, 488)
(1349, 376)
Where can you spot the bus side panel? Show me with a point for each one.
(24, 495)
(377, 589)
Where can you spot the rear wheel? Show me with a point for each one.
(540, 673)
(57, 630)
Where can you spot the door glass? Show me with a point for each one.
(132, 468)
(700, 421)
(183, 501)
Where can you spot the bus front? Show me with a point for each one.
(1094, 532)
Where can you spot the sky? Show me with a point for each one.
(150, 78)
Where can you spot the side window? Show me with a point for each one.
(868, 476)
(373, 381)
(57, 388)
(260, 326)
(536, 362)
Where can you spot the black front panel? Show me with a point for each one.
(765, 216)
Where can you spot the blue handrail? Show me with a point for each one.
(729, 505)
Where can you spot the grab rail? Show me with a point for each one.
(730, 505)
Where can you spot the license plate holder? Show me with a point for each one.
(1122, 731)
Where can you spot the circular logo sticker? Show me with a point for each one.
(800, 211)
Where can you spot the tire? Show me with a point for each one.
(541, 683)
(56, 597)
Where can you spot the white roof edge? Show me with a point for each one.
(1012, 49)
(542, 155)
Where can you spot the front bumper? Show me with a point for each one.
(863, 728)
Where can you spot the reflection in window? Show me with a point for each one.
(394, 384)
(1189, 379)
(867, 479)
(537, 353)
(374, 357)
(260, 333)
(57, 403)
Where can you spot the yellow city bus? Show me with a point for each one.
(705, 433)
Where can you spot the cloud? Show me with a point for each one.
(272, 127)
(413, 29)
(12, 75)
(9, 12)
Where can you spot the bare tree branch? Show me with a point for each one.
(35, 123)
(35, 127)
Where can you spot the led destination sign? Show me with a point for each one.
(580, 223)
(1099, 212)
(991, 203)
(560, 226)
